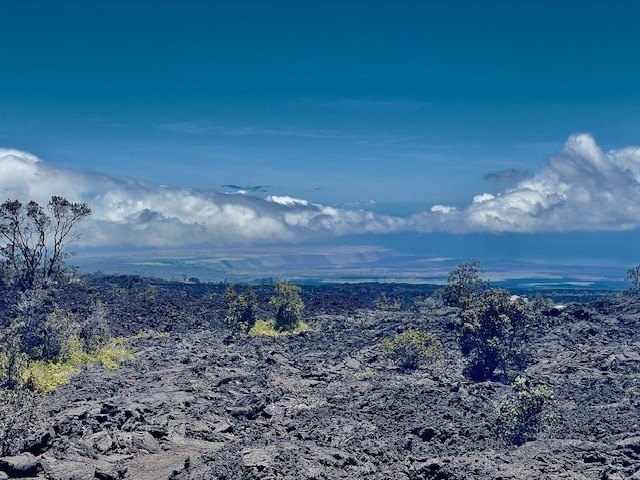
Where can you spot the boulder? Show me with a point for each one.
(20, 466)
(144, 441)
(256, 457)
(102, 441)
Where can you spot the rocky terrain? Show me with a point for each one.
(204, 402)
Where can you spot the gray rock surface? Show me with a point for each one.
(208, 403)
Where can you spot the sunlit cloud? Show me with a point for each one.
(583, 188)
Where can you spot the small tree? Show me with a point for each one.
(412, 348)
(33, 239)
(493, 331)
(633, 277)
(521, 417)
(241, 308)
(288, 305)
(464, 282)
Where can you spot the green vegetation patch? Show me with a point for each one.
(267, 328)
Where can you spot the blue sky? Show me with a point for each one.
(407, 104)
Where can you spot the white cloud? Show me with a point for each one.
(445, 209)
(581, 189)
(131, 212)
(485, 197)
(286, 200)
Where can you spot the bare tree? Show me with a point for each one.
(33, 239)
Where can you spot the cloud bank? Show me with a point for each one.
(135, 213)
(583, 188)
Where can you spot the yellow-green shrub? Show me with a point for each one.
(411, 348)
(522, 416)
(267, 328)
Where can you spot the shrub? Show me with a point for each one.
(430, 302)
(40, 329)
(45, 376)
(241, 308)
(18, 419)
(51, 338)
(521, 417)
(43, 345)
(463, 284)
(288, 305)
(94, 331)
(411, 348)
(229, 294)
(493, 332)
(383, 302)
(540, 304)
(267, 328)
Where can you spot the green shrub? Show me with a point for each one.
(241, 308)
(229, 294)
(52, 337)
(521, 417)
(493, 333)
(43, 345)
(289, 306)
(40, 329)
(412, 348)
(540, 304)
(463, 284)
(94, 331)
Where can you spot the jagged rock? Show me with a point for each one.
(144, 441)
(632, 443)
(257, 457)
(19, 466)
(425, 434)
(67, 470)
(222, 426)
(109, 471)
(102, 441)
(326, 405)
